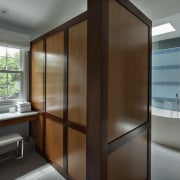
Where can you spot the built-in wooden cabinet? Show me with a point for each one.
(64, 94)
(91, 79)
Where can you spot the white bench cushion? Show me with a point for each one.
(8, 139)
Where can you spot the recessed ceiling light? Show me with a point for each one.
(162, 29)
(3, 11)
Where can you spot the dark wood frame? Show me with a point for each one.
(97, 89)
(65, 113)
(44, 94)
(117, 143)
(149, 100)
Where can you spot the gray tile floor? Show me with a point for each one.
(32, 167)
(165, 163)
(165, 166)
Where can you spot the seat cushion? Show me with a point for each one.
(11, 138)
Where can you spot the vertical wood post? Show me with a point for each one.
(96, 89)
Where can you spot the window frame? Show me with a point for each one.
(24, 82)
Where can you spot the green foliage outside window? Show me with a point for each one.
(10, 77)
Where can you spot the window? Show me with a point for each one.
(12, 75)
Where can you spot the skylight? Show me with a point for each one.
(162, 29)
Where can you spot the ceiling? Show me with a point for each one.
(35, 17)
(160, 12)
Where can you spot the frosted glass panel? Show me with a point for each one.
(165, 77)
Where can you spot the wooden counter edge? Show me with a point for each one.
(18, 120)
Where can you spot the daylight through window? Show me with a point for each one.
(11, 73)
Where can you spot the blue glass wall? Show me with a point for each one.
(166, 78)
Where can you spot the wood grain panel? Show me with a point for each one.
(55, 74)
(37, 131)
(77, 73)
(130, 161)
(76, 154)
(127, 71)
(54, 141)
(37, 76)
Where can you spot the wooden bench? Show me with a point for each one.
(13, 138)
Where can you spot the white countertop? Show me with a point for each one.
(7, 116)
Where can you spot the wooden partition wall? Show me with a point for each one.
(90, 81)
(118, 91)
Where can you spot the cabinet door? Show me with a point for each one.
(76, 154)
(54, 141)
(77, 73)
(55, 74)
(37, 132)
(37, 76)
